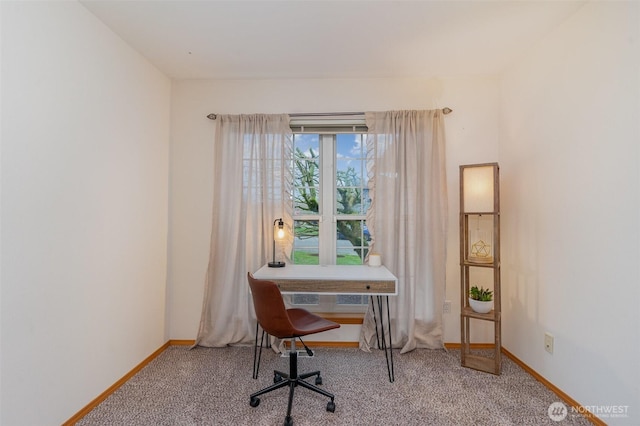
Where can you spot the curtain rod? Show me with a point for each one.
(445, 110)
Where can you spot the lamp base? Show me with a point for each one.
(276, 264)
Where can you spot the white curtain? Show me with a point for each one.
(408, 222)
(251, 189)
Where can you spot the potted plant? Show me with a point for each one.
(480, 299)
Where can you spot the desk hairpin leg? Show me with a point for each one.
(382, 341)
(375, 322)
(258, 355)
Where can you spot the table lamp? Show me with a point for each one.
(278, 233)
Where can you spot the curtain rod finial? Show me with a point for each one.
(212, 116)
(447, 110)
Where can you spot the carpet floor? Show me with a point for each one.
(211, 386)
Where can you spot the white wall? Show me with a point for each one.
(84, 172)
(472, 136)
(569, 154)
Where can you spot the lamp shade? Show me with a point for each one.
(477, 183)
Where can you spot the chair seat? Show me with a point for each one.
(305, 322)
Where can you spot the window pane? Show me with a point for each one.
(348, 172)
(306, 171)
(352, 242)
(349, 145)
(352, 194)
(306, 174)
(349, 201)
(348, 257)
(309, 144)
(305, 242)
(306, 200)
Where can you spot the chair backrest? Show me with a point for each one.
(270, 310)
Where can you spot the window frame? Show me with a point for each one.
(327, 216)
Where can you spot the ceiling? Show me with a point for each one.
(269, 39)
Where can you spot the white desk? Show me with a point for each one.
(376, 282)
(332, 279)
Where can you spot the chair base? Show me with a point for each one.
(292, 380)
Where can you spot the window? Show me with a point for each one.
(330, 202)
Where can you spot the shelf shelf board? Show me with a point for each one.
(479, 264)
(480, 213)
(489, 316)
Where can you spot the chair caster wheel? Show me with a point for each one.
(318, 380)
(331, 407)
(277, 378)
(256, 401)
(288, 421)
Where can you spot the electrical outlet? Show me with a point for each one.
(548, 342)
(446, 308)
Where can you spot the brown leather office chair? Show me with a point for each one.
(284, 323)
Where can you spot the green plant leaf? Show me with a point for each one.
(482, 294)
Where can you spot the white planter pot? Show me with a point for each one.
(480, 307)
